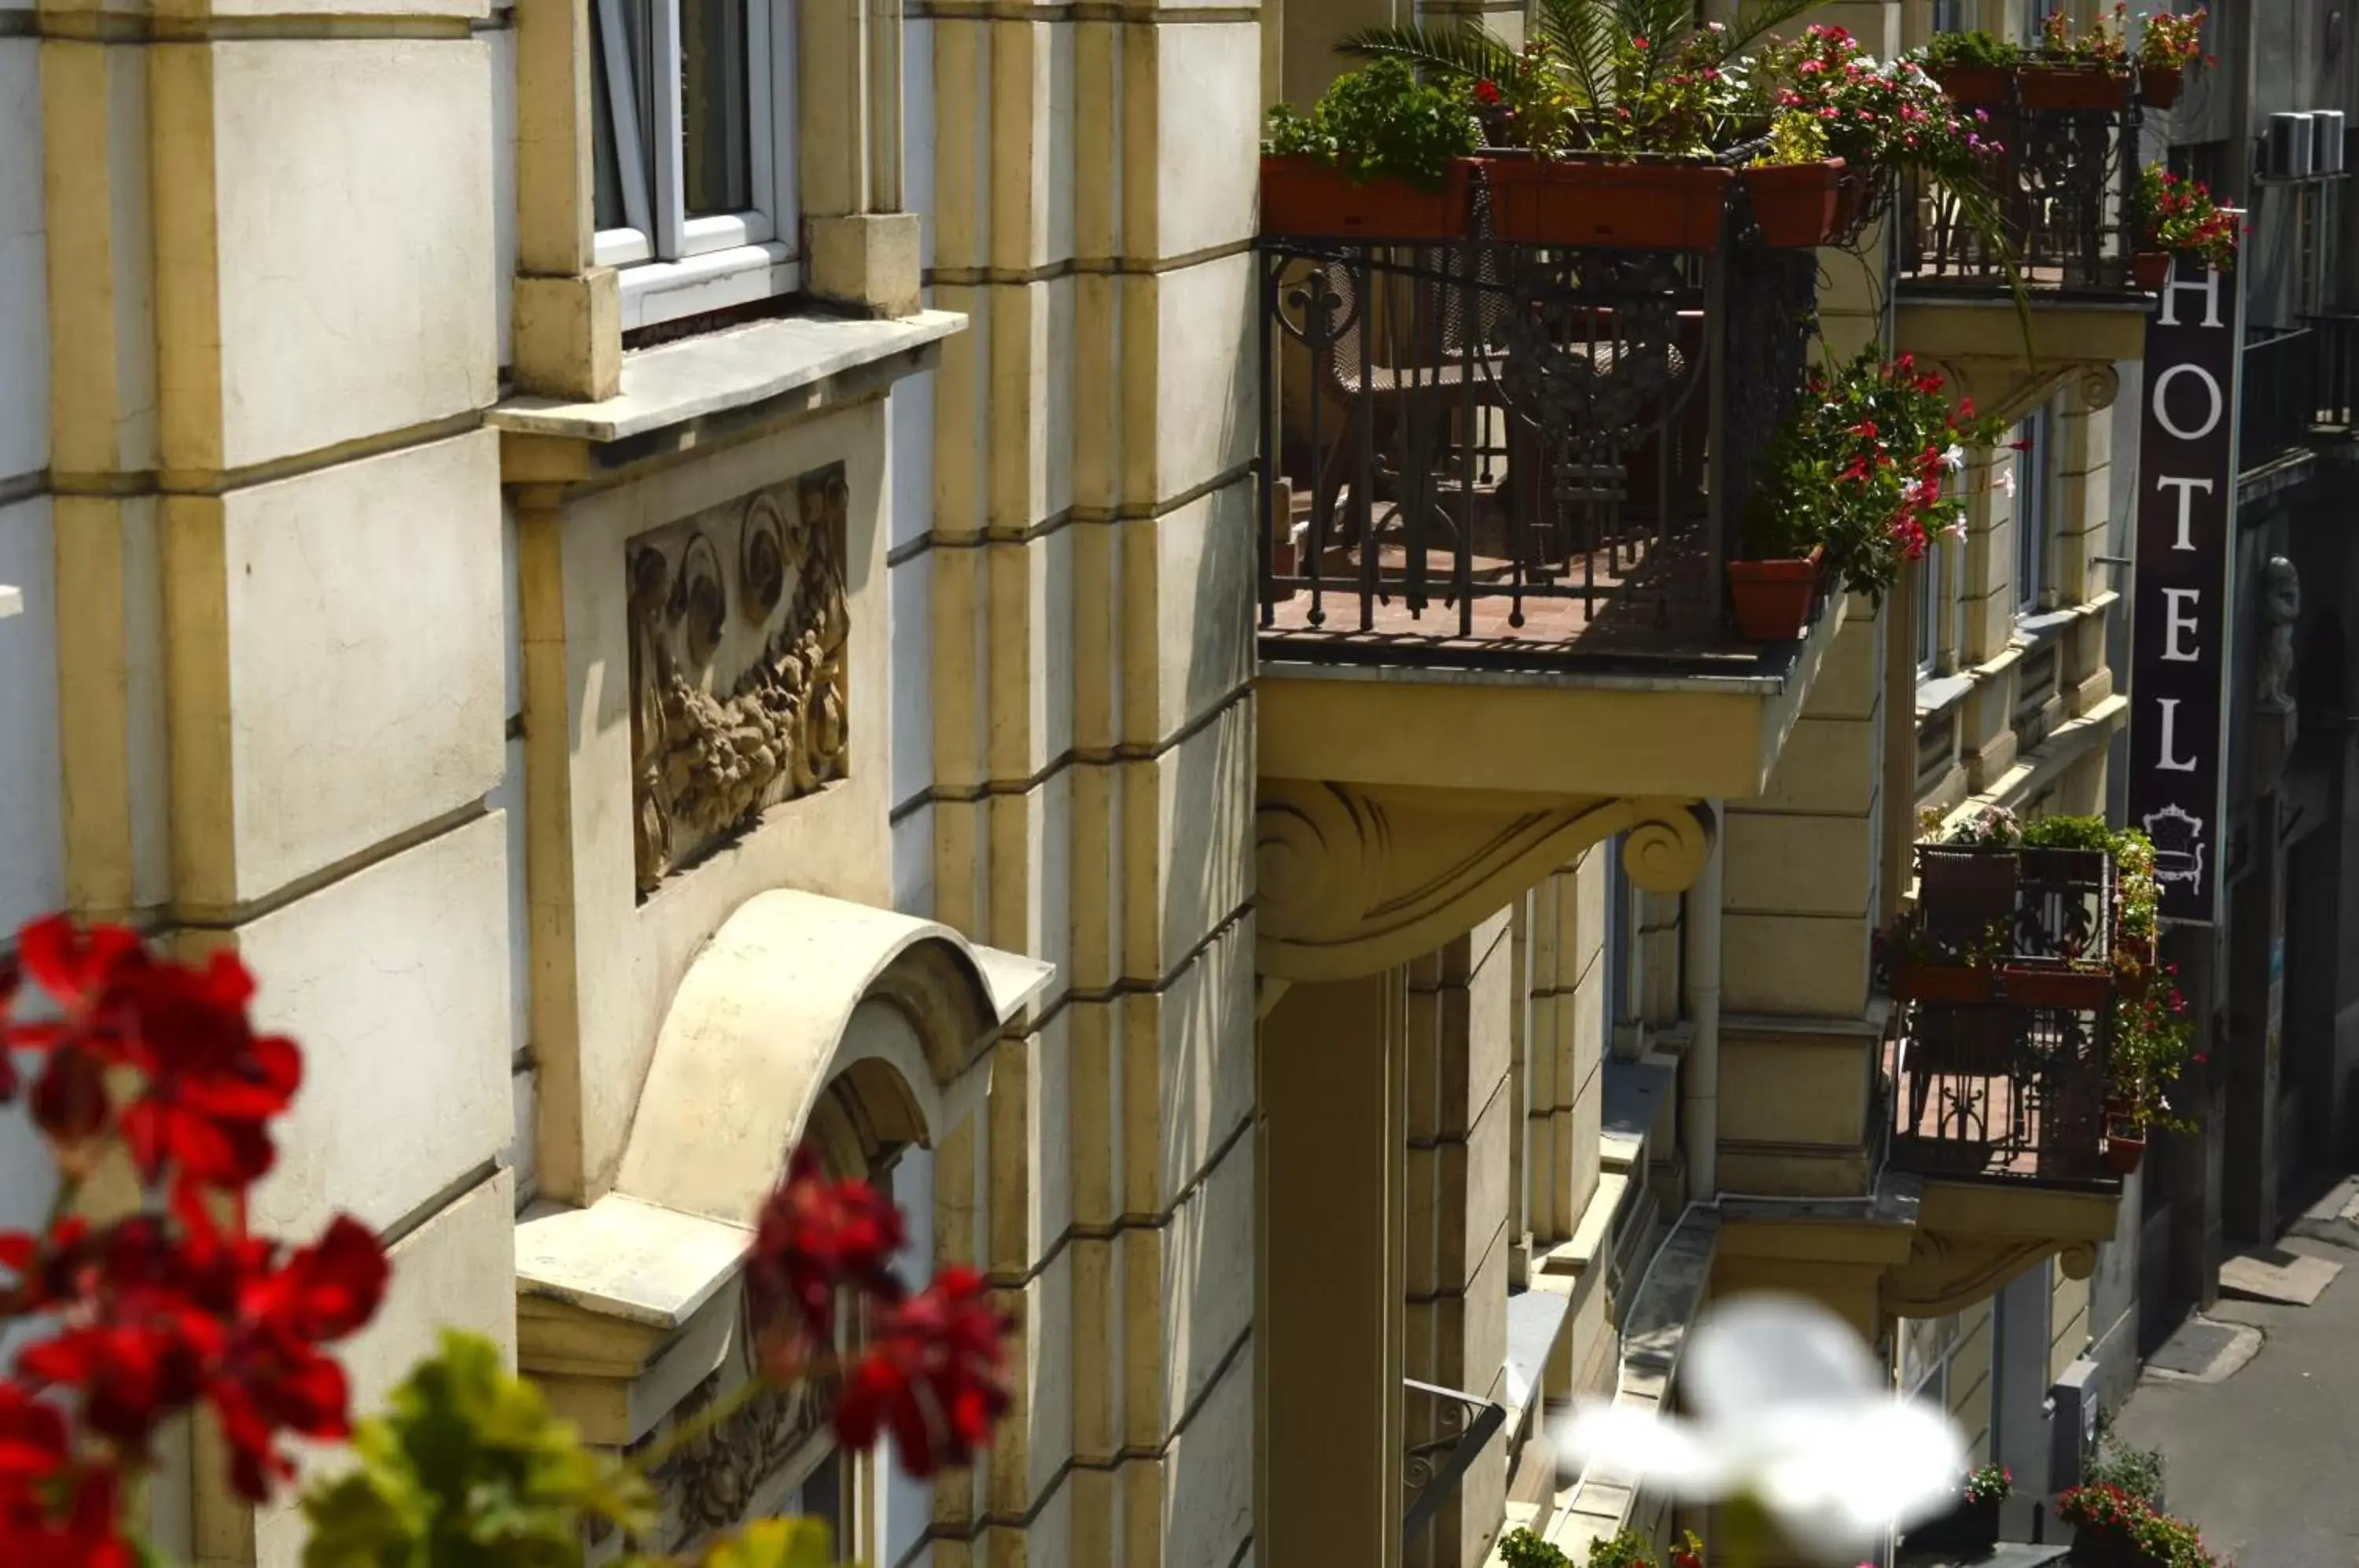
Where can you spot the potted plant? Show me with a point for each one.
(2153, 1040)
(2105, 1520)
(1881, 118)
(1794, 186)
(1605, 129)
(1971, 1527)
(2076, 70)
(1522, 1548)
(1973, 68)
(2167, 48)
(1380, 155)
(1854, 482)
(2175, 216)
(2164, 1541)
(2135, 900)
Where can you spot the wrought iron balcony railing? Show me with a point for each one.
(1446, 1430)
(2059, 194)
(1517, 455)
(1998, 1069)
(2280, 394)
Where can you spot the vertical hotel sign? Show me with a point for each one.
(2181, 625)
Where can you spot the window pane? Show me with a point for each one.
(607, 185)
(713, 106)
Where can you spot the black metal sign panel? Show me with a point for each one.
(2179, 643)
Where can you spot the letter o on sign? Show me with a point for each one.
(2162, 408)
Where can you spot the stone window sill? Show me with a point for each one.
(805, 360)
(1938, 693)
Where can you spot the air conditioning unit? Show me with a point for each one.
(2326, 141)
(2293, 139)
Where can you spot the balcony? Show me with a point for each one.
(1996, 1076)
(1491, 468)
(2297, 395)
(2059, 210)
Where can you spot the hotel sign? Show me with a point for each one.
(2182, 620)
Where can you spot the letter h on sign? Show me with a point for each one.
(2187, 490)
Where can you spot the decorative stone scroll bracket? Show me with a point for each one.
(1972, 1238)
(2011, 387)
(1946, 1273)
(1356, 879)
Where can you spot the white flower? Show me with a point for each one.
(2006, 480)
(1955, 459)
(1956, 531)
(1790, 1411)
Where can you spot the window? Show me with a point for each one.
(1618, 954)
(1929, 604)
(2034, 504)
(693, 114)
(1946, 18)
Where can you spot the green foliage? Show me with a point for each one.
(1628, 1549)
(1379, 124)
(1622, 77)
(775, 1543)
(1522, 1548)
(469, 1470)
(2179, 216)
(1969, 50)
(1794, 137)
(2137, 1473)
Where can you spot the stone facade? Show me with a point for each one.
(625, 740)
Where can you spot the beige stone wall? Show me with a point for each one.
(1091, 186)
(280, 609)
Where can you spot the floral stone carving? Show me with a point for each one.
(738, 694)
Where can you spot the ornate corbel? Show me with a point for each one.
(1354, 880)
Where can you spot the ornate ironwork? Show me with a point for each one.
(2060, 192)
(1547, 440)
(2000, 1064)
(1446, 1429)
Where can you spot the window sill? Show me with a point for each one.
(812, 360)
(659, 291)
(12, 601)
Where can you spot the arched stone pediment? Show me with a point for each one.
(795, 992)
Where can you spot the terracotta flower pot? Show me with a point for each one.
(1796, 205)
(1772, 599)
(2124, 1148)
(2158, 85)
(1302, 196)
(2150, 269)
(1975, 86)
(1609, 206)
(2069, 87)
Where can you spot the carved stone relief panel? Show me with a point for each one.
(738, 678)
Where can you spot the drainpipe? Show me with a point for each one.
(1700, 982)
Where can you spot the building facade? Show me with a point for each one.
(677, 580)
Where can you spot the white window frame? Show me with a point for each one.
(2035, 487)
(673, 265)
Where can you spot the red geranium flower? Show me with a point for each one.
(815, 1237)
(929, 1376)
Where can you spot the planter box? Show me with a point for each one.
(1796, 205)
(1968, 1530)
(2124, 1150)
(2150, 269)
(2063, 87)
(2105, 1549)
(1772, 599)
(1301, 196)
(2071, 990)
(1611, 206)
(1976, 86)
(2158, 85)
(1945, 984)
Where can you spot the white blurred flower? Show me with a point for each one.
(1955, 459)
(2006, 480)
(1792, 1412)
(1956, 531)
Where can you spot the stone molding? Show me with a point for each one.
(1356, 879)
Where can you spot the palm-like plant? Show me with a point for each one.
(1589, 62)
